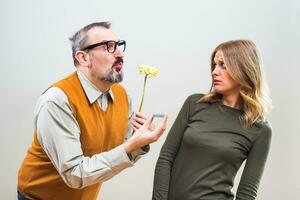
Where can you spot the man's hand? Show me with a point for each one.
(144, 135)
(138, 120)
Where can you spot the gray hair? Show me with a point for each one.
(78, 40)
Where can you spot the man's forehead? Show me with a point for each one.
(100, 33)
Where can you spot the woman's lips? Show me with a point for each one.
(216, 82)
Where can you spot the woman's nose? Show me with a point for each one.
(216, 70)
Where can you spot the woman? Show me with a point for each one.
(214, 133)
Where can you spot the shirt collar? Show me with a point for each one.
(91, 91)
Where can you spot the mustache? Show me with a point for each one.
(118, 60)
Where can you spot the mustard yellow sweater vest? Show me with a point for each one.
(100, 132)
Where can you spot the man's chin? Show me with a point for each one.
(116, 77)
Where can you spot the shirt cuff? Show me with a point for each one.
(139, 153)
(119, 160)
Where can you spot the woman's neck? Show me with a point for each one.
(233, 101)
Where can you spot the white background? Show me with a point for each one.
(175, 36)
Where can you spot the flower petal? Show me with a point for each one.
(148, 70)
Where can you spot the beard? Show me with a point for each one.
(113, 76)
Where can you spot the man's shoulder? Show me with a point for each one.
(53, 94)
(117, 88)
(51, 98)
(67, 80)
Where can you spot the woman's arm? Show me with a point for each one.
(254, 167)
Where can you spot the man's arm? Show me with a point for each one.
(59, 135)
(135, 121)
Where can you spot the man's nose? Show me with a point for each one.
(119, 52)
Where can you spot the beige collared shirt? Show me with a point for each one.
(94, 94)
(59, 134)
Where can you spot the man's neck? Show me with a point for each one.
(103, 86)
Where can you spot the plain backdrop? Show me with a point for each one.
(175, 36)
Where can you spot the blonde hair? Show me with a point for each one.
(244, 65)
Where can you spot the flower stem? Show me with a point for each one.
(144, 89)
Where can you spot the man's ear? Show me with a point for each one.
(82, 57)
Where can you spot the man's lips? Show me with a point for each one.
(118, 66)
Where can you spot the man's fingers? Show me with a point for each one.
(139, 119)
(134, 127)
(135, 124)
(152, 127)
(140, 115)
(164, 120)
(162, 127)
(148, 122)
(144, 135)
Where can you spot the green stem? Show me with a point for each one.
(144, 89)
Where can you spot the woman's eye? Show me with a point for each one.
(222, 65)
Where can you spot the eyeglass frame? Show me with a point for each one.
(116, 43)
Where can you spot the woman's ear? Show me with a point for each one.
(83, 58)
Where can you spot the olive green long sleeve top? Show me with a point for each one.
(203, 151)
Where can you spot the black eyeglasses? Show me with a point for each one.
(110, 45)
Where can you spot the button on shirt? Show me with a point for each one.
(53, 114)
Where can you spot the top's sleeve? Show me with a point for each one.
(168, 153)
(59, 134)
(254, 166)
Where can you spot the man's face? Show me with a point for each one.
(103, 65)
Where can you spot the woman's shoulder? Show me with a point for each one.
(195, 97)
(265, 128)
(194, 102)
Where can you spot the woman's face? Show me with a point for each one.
(223, 83)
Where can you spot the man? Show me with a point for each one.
(81, 122)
